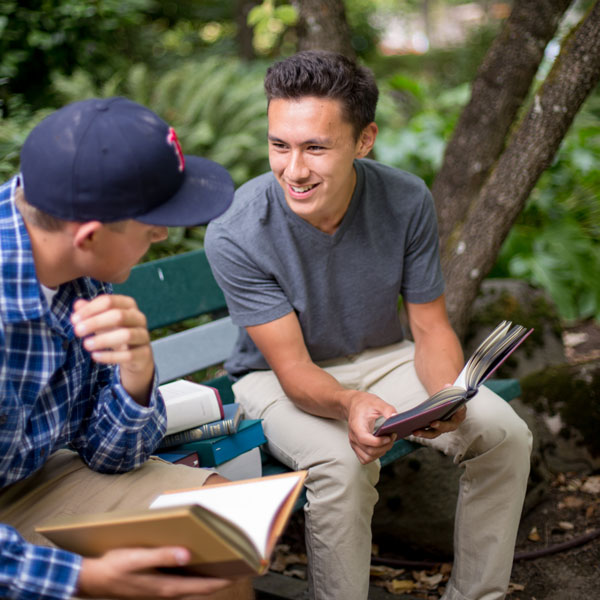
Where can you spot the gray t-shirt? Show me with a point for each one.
(343, 287)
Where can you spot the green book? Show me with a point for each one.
(214, 451)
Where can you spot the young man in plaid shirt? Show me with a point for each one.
(100, 181)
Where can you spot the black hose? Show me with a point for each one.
(529, 555)
(578, 541)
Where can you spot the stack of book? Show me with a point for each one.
(204, 432)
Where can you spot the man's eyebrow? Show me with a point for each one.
(309, 142)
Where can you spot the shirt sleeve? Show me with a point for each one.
(253, 294)
(120, 434)
(29, 572)
(422, 279)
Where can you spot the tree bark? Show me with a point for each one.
(322, 25)
(478, 236)
(244, 32)
(498, 91)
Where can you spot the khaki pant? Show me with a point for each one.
(66, 486)
(492, 445)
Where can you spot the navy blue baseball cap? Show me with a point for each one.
(112, 159)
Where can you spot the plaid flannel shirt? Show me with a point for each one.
(52, 394)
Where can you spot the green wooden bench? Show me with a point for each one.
(174, 289)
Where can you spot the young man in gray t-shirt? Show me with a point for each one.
(313, 258)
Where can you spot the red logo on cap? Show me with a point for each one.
(173, 141)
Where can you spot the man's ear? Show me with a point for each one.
(84, 234)
(366, 141)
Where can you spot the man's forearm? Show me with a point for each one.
(438, 359)
(315, 391)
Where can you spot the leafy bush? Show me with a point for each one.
(415, 124)
(13, 132)
(38, 38)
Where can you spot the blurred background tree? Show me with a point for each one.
(200, 65)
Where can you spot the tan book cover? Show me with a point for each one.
(230, 529)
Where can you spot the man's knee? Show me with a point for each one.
(496, 425)
(345, 480)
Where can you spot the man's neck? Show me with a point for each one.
(51, 256)
(330, 222)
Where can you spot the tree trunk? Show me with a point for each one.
(243, 34)
(501, 85)
(322, 25)
(478, 232)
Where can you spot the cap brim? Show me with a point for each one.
(207, 192)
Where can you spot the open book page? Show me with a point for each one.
(441, 398)
(461, 380)
(251, 505)
(502, 349)
(490, 354)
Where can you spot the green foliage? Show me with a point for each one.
(270, 20)
(555, 243)
(40, 37)
(414, 124)
(180, 30)
(439, 68)
(364, 35)
(13, 132)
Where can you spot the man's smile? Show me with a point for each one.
(300, 192)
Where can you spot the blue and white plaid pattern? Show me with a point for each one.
(51, 394)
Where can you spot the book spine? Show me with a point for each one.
(209, 430)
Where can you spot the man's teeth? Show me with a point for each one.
(302, 189)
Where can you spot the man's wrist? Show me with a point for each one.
(345, 399)
(139, 385)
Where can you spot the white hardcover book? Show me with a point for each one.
(190, 404)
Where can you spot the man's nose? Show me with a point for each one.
(297, 169)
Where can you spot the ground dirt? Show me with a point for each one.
(558, 544)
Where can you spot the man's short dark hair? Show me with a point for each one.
(326, 75)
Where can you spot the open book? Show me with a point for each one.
(230, 528)
(488, 356)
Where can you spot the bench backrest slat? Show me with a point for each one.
(183, 353)
(172, 289)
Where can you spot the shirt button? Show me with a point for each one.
(65, 344)
(3, 418)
